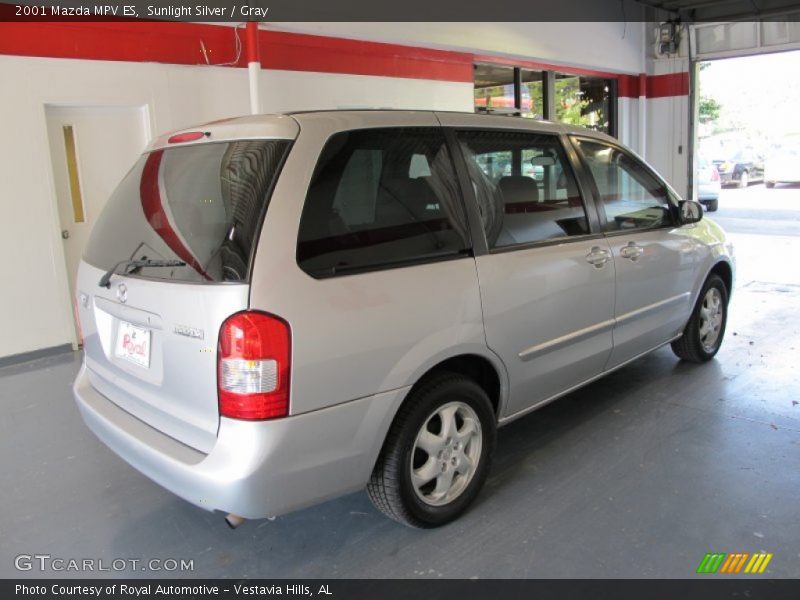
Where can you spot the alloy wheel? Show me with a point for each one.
(446, 453)
(711, 313)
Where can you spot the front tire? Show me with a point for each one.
(437, 454)
(770, 184)
(703, 334)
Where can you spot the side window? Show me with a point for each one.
(524, 186)
(381, 198)
(631, 197)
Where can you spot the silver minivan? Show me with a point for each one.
(282, 309)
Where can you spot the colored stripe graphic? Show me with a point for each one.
(741, 562)
(719, 562)
(734, 563)
(759, 562)
(710, 563)
(728, 562)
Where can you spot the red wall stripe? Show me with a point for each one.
(153, 41)
(673, 84)
(192, 43)
(301, 52)
(252, 46)
(628, 86)
(196, 44)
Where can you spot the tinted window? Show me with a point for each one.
(381, 197)
(525, 190)
(631, 197)
(199, 204)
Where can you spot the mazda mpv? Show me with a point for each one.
(282, 309)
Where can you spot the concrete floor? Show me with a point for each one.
(637, 475)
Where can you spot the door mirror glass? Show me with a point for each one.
(691, 212)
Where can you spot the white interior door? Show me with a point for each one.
(91, 148)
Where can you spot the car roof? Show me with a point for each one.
(492, 119)
(284, 125)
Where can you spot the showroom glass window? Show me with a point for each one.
(524, 186)
(509, 88)
(631, 196)
(494, 86)
(583, 101)
(532, 94)
(380, 198)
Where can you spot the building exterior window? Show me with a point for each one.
(580, 100)
(494, 86)
(532, 86)
(583, 101)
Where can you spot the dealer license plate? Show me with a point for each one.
(133, 344)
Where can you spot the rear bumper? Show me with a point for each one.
(256, 468)
(708, 192)
(782, 177)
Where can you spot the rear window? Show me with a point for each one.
(201, 204)
(381, 198)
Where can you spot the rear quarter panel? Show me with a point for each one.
(357, 335)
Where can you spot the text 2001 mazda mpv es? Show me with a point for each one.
(278, 310)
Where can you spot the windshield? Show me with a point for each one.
(201, 205)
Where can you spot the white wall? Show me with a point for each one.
(35, 310)
(611, 46)
(297, 90)
(668, 143)
(628, 125)
(668, 139)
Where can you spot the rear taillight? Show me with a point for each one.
(253, 366)
(714, 175)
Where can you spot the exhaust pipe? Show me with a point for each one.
(234, 521)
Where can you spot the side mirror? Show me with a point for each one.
(691, 212)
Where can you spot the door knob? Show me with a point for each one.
(598, 257)
(65, 234)
(631, 251)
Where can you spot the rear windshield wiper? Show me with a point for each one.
(135, 265)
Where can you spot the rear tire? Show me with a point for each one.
(713, 205)
(703, 334)
(437, 454)
(770, 184)
(744, 179)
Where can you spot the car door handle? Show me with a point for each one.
(598, 257)
(632, 251)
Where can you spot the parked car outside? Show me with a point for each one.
(709, 186)
(783, 165)
(740, 167)
(282, 309)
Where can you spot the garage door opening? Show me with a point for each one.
(747, 158)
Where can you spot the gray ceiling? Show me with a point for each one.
(725, 10)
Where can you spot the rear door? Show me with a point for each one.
(656, 263)
(150, 337)
(547, 278)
